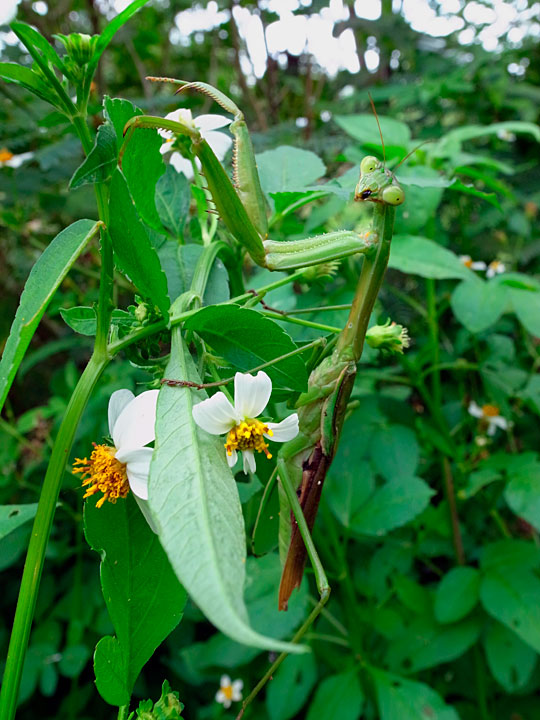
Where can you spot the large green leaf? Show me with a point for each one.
(526, 305)
(478, 304)
(338, 697)
(364, 128)
(172, 200)
(419, 256)
(457, 594)
(401, 699)
(194, 502)
(137, 257)
(288, 169)
(101, 160)
(247, 339)
(28, 79)
(394, 451)
(392, 505)
(513, 598)
(450, 144)
(45, 277)
(290, 687)
(143, 596)
(13, 516)
(510, 660)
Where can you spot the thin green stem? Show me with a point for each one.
(433, 324)
(480, 672)
(123, 712)
(326, 308)
(33, 566)
(297, 321)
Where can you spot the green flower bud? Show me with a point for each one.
(324, 271)
(389, 337)
(168, 707)
(80, 48)
(141, 312)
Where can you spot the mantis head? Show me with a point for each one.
(377, 184)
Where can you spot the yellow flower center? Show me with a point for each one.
(5, 155)
(490, 410)
(494, 264)
(105, 474)
(227, 691)
(467, 262)
(248, 435)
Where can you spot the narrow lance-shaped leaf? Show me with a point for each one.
(28, 79)
(195, 505)
(45, 277)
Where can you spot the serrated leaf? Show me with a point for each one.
(420, 256)
(137, 257)
(457, 594)
(195, 504)
(478, 304)
(45, 277)
(288, 169)
(510, 660)
(408, 700)
(392, 505)
(172, 200)
(144, 599)
(13, 516)
(247, 339)
(100, 162)
(338, 697)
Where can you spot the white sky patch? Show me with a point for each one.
(368, 9)
(423, 18)
(8, 10)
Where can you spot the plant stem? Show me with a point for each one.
(123, 712)
(40, 535)
(297, 321)
(434, 340)
(452, 508)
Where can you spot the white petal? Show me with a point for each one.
(492, 429)
(249, 461)
(226, 703)
(475, 410)
(219, 142)
(251, 394)
(501, 267)
(238, 686)
(205, 123)
(135, 425)
(215, 415)
(117, 403)
(145, 509)
(225, 681)
(478, 265)
(500, 422)
(137, 467)
(220, 696)
(17, 160)
(166, 148)
(285, 430)
(232, 458)
(181, 164)
(490, 272)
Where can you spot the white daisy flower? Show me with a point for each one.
(244, 432)
(489, 414)
(116, 470)
(495, 267)
(472, 264)
(8, 159)
(207, 125)
(229, 692)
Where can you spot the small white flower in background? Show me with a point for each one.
(472, 264)
(229, 692)
(490, 415)
(114, 471)
(495, 267)
(208, 127)
(506, 135)
(8, 159)
(245, 433)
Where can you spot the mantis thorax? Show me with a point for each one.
(377, 183)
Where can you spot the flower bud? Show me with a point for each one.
(80, 48)
(324, 271)
(389, 337)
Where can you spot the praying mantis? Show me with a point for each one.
(303, 462)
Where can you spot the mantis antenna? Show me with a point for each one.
(379, 126)
(408, 155)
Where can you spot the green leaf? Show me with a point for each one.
(457, 594)
(290, 687)
(394, 451)
(392, 505)
(421, 201)
(364, 128)
(450, 144)
(338, 697)
(526, 305)
(513, 598)
(13, 516)
(478, 304)
(288, 169)
(101, 160)
(195, 504)
(33, 38)
(138, 259)
(83, 319)
(420, 256)
(118, 111)
(28, 79)
(522, 495)
(110, 30)
(507, 554)
(510, 660)
(45, 277)
(491, 198)
(402, 699)
(144, 599)
(172, 200)
(247, 339)
(349, 484)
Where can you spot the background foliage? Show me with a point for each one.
(428, 527)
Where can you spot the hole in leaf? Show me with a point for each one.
(14, 513)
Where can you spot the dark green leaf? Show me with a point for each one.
(172, 200)
(420, 256)
(290, 687)
(138, 259)
(338, 697)
(101, 160)
(522, 495)
(144, 599)
(363, 128)
(507, 554)
(28, 79)
(526, 305)
(408, 700)
(13, 516)
(288, 169)
(457, 594)
(247, 339)
(510, 660)
(394, 451)
(45, 277)
(478, 304)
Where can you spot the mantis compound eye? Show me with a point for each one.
(368, 164)
(393, 195)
